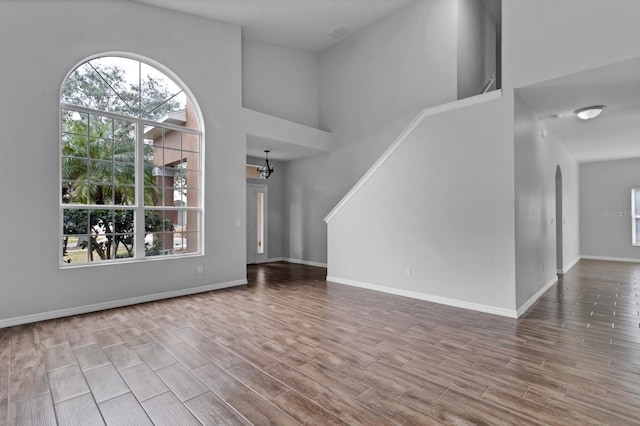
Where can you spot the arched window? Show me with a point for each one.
(130, 164)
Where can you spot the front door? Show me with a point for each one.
(257, 223)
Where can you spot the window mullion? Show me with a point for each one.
(138, 223)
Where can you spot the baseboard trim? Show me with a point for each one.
(427, 297)
(26, 319)
(305, 262)
(568, 267)
(533, 299)
(613, 259)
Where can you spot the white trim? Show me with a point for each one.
(427, 297)
(533, 299)
(614, 259)
(438, 109)
(306, 262)
(25, 319)
(298, 261)
(568, 267)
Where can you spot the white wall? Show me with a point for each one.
(476, 47)
(275, 208)
(605, 208)
(442, 205)
(281, 81)
(42, 42)
(371, 86)
(536, 159)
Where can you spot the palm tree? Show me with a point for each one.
(99, 155)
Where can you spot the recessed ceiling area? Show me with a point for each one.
(302, 24)
(280, 151)
(614, 134)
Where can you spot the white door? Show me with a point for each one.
(257, 223)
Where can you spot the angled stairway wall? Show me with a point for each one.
(434, 218)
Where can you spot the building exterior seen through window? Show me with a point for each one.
(130, 164)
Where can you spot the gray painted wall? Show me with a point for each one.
(442, 205)
(43, 48)
(281, 81)
(371, 86)
(476, 47)
(605, 208)
(536, 159)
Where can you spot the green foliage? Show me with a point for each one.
(104, 86)
(99, 157)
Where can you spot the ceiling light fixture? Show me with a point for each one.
(587, 113)
(266, 170)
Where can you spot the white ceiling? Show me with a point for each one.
(302, 24)
(615, 134)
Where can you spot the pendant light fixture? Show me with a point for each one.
(266, 170)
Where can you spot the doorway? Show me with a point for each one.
(559, 222)
(257, 221)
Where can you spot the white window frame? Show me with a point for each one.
(139, 208)
(635, 216)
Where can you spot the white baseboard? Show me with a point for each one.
(614, 259)
(26, 319)
(533, 299)
(290, 260)
(427, 297)
(306, 262)
(568, 267)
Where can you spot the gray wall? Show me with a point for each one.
(476, 47)
(442, 205)
(536, 160)
(605, 208)
(371, 86)
(281, 81)
(42, 42)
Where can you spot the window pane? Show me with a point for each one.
(124, 151)
(74, 145)
(100, 127)
(100, 171)
(123, 246)
(636, 199)
(125, 130)
(75, 122)
(124, 173)
(75, 249)
(124, 195)
(190, 242)
(88, 86)
(161, 98)
(101, 148)
(190, 142)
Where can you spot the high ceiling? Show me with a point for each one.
(615, 134)
(312, 25)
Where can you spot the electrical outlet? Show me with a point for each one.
(407, 271)
(199, 269)
(544, 268)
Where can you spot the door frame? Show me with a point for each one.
(252, 230)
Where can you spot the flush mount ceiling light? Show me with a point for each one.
(587, 113)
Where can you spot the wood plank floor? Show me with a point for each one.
(291, 349)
